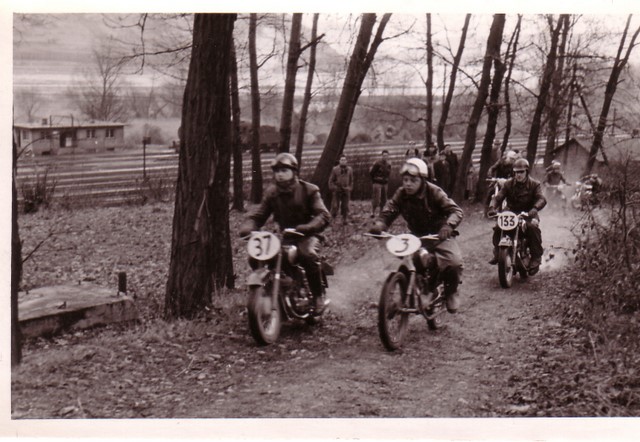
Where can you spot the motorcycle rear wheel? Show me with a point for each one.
(505, 267)
(264, 322)
(393, 323)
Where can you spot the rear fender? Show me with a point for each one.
(505, 241)
(259, 277)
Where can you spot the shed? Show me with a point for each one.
(55, 139)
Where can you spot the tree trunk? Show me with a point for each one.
(610, 91)
(238, 192)
(200, 246)
(446, 105)
(256, 164)
(16, 268)
(361, 59)
(493, 47)
(493, 112)
(429, 113)
(556, 102)
(572, 91)
(307, 90)
(290, 83)
(545, 84)
(507, 82)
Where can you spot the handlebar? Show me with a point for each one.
(431, 236)
(288, 231)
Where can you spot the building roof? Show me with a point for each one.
(615, 149)
(79, 125)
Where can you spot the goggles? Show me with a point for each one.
(520, 171)
(409, 169)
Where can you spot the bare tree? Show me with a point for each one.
(512, 49)
(29, 101)
(290, 83)
(16, 267)
(359, 63)
(238, 192)
(617, 68)
(446, 104)
(429, 86)
(545, 84)
(492, 52)
(256, 165)
(306, 100)
(200, 246)
(99, 95)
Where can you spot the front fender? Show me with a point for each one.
(258, 277)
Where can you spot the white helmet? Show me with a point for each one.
(415, 167)
(512, 155)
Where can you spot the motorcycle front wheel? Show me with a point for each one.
(435, 313)
(265, 322)
(393, 321)
(505, 267)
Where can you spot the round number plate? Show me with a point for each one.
(403, 245)
(263, 245)
(507, 220)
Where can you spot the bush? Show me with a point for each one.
(38, 192)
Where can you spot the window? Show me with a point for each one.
(26, 135)
(91, 133)
(110, 133)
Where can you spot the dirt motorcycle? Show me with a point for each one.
(513, 250)
(278, 287)
(406, 290)
(555, 195)
(583, 196)
(495, 184)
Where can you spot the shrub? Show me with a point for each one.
(38, 192)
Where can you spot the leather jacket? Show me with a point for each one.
(521, 197)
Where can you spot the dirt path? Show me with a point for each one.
(213, 369)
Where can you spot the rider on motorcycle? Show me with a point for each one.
(296, 204)
(523, 194)
(427, 210)
(554, 174)
(503, 168)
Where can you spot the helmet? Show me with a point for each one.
(284, 160)
(556, 164)
(415, 167)
(512, 155)
(521, 164)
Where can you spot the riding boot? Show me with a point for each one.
(451, 278)
(314, 278)
(493, 261)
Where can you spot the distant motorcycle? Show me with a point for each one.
(555, 195)
(406, 290)
(583, 196)
(495, 184)
(278, 287)
(513, 250)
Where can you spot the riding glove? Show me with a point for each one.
(533, 213)
(445, 232)
(376, 228)
(491, 213)
(305, 229)
(246, 229)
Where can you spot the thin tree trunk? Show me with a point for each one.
(360, 61)
(446, 105)
(545, 84)
(290, 83)
(493, 47)
(238, 193)
(507, 100)
(16, 268)
(200, 246)
(256, 164)
(307, 90)
(610, 91)
(493, 112)
(556, 99)
(429, 86)
(567, 133)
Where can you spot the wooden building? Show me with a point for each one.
(56, 139)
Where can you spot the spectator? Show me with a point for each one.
(452, 159)
(341, 185)
(442, 173)
(379, 173)
(471, 183)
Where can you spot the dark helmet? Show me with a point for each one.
(284, 160)
(521, 164)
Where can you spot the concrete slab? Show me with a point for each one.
(56, 309)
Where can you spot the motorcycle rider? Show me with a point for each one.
(427, 210)
(503, 168)
(523, 194)
(296, 204)
(554, 174)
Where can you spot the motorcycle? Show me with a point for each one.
(278, 287)
(513, 251)
(583, 196)
(555, 195)
(407, 290)
(495, 184)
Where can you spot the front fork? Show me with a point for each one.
(276, 283)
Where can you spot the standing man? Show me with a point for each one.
(442, 173)
(341, 185)
(379, 173)
(452, 159)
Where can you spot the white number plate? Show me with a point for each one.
(403, 245)
(263, 245)
(507, 220)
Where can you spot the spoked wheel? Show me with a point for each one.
(505, 267)
(264, 322)
(392, 321)
(435, 312)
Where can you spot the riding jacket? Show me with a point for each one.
(521, 197)
(299, 203)
(380, 172)
(425, 212)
